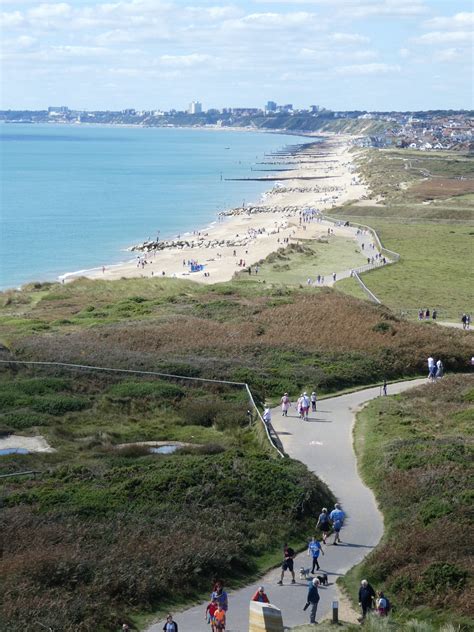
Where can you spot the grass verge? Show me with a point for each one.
(415, 450)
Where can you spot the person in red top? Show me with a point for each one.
(210, 614)
(260, 595)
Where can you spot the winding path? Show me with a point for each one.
(324, 445)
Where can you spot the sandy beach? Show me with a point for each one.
(319, 177)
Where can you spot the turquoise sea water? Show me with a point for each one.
(73, 197)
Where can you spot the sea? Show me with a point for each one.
(74, 197)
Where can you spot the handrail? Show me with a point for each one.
(156, 373)
(394, 256)
(370, 294)
(34, 472)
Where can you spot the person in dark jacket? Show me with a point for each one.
(366, 597)
(312, 600)
(170, 625)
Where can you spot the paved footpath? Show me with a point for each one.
(324, 445)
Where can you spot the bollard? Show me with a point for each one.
(335, 612)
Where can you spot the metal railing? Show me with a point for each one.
(25, 473)
(268, 427)
(391, 255)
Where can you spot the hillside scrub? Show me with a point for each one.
(277, 339)
(415, 450)
(108, 531)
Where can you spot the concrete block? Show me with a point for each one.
(265, 618)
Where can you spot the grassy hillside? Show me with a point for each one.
(425, 212)
(415, 450)
(107, 530)
(276, 338)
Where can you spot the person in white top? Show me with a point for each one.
(267, 415)
(285, 404)
(431, 368)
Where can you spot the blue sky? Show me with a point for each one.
(159, 54)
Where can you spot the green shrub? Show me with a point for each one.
(155, 390)
(40, 385)
(443, 574)
(22, 420)
(382, 327)
(433, 509)
(200, 412)
(59, 404)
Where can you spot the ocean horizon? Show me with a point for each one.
(74, 198)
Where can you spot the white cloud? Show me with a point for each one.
(389, 8)
(404, 53)
(459, 20)
(185, 61)
(349, 38)
(46, 11)
(11, 19)
(368, 69)
(444, 37)
(25, 41)
(274, 20)
(448, 55)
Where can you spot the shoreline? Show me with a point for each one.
(238, 238)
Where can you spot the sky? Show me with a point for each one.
(162, 54)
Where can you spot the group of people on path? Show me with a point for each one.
(425, 314)
(303, 404)
(371, 601)
(435, 369)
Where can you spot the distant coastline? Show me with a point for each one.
(322, 176)
(187, 222)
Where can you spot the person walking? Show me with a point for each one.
(337, 517)
(382, 604)
(312, 600)
(261, 596)
(220, 595)
(439, 369)
(170, 625)
(287, 564)
(366, 598)
(323, 524)
(305, 406)
(313, 401)
(285, 404)
(314, 549)
(299, 406)
(267, 415)
(210, 614)
(431, 368)
(220, 618)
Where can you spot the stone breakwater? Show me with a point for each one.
(203, 241)
(315, 189)
(288, 211)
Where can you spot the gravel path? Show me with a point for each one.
(324, 445)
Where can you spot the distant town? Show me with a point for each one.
(424, 130)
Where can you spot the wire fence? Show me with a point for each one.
(270, 432)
